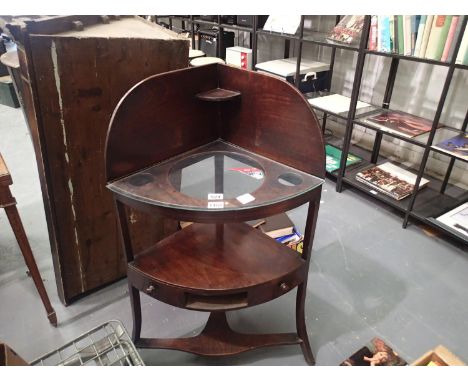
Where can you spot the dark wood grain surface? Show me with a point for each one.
(272, 118)
(215, 267)
(153, 186)
(157, 120)
(195, 258)
(70, 86)
(218, 95)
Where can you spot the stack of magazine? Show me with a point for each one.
(399, 122)
(348, 30)
(390, 180)
(456, 146)
(333, 158)
(456, 219)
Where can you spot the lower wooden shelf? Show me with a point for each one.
(210, 267)
(218, 339)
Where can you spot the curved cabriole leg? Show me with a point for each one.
(301, 325)
(136, 312)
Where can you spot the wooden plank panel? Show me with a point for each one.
(180, 120)
(79, 82)
(271, 120)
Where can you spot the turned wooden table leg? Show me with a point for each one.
(20, 234)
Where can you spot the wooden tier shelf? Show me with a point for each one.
(218, 339)
(230, 266)
(218, 95)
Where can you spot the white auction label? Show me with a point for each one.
(215, 204)
(215, 196)
(246, 198)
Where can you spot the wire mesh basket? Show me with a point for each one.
(106, 345)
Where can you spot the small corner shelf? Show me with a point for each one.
(218, 95)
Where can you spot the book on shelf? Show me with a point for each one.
(375, 353)
(400, 123)
(390, 179)
(425, 37)
(372, 45)
(415, 19)
(277, 226)
(348, 30)
(335, 103)
(395, 42)
(462, 56)
(419, 37)
(450, 38)
(294, 236)
(333, 158)
(456, 34)
(407, 35)
(384, 39)
(438, 37)
(457, 145)
(297, 244)
(456, 219)
(401, 39)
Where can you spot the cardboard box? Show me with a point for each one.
(440, 356)
(8, 357)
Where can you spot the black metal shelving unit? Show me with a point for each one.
(425, 204)
(437, 198)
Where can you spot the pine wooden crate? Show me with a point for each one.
(440, 355)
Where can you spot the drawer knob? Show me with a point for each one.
(284, 287)
(150, 289)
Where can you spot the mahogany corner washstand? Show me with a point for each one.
(217, 146)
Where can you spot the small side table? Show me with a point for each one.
(217, 146)
(8, 202)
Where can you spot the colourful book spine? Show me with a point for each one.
(462, 56)
(401, 48)
(422, 25)
(395, 34)
(439, 32)
(384, 33)
(414, 31)
(379, 31)
(392, 33)
(457, 33)
(450, 38)
(426, 34)
(407, 35)
(373, 34)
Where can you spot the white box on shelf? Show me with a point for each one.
(239, 56)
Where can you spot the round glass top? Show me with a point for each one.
(216, 175)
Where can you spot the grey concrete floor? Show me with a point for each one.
(368, 277)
